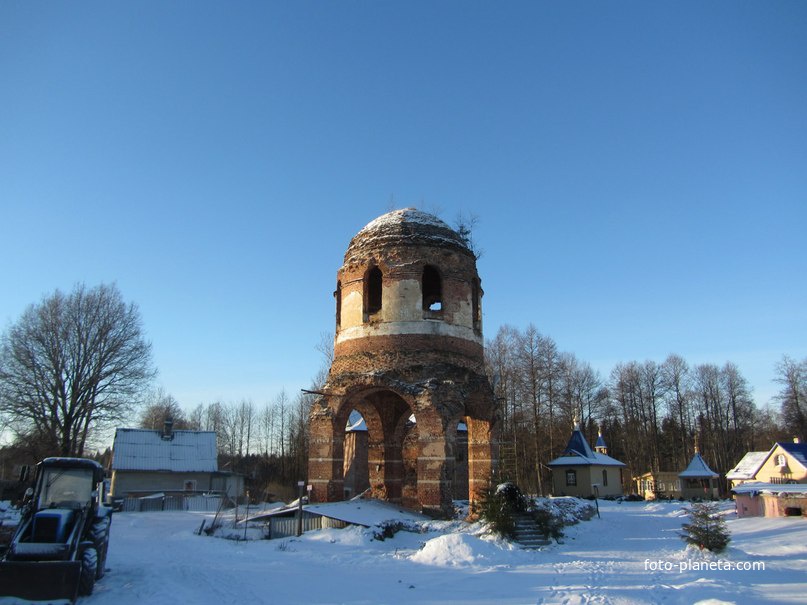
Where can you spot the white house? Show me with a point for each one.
(146, 462)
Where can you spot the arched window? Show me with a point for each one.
(432, 286)
(605, 478)
(372, 291)
(338, 296)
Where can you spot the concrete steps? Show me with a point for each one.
(527, 533)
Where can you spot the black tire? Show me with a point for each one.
(99, 534)
(89, 568)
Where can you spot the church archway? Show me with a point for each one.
(384, 414)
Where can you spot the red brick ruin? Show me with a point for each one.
(409, 357)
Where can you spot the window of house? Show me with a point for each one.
(781, 460)
(604, 477)
(372, 291)
(432, 287)
(571, 478)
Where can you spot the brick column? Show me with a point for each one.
(326, 455)
(435, 465)
(482, 456)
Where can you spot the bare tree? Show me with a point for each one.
(196, 419)
(161, 406)
(677, 383)
(72, 364)
(792, 375)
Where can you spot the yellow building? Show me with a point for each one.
(785, 463)
(661, 484)
(584, 473)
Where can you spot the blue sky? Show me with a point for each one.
(639, 170)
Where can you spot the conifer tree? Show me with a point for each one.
(706, 528)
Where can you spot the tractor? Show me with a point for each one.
(60, 546)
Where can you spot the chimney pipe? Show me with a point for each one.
(168, 428)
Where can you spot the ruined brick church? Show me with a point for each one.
(409, 358)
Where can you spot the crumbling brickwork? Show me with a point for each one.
(409, 357)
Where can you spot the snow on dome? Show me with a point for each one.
(408, 226)
(405, 215)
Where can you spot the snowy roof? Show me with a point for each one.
(747, 467)
(697, 468)
(595, 459)
(758, 487)
(359, 511)
(579, 453)
(408, 226)
(147, 450)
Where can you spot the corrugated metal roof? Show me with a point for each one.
(359, 511)
(146, 450)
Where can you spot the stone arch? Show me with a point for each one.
(384, 411)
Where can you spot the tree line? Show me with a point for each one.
(267, 443)
(77, 365)
(651, 414)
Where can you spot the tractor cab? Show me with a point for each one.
(59, 548)
(69, 488)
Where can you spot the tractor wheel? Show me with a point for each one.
(89, 567)
(99, 534)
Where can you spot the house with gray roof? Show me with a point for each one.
(170, 462)
(583, 472)
(698, 480)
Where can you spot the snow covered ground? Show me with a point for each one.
(631, 555)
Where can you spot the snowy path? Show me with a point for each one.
(155, 558)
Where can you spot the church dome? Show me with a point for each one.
(405, 227)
